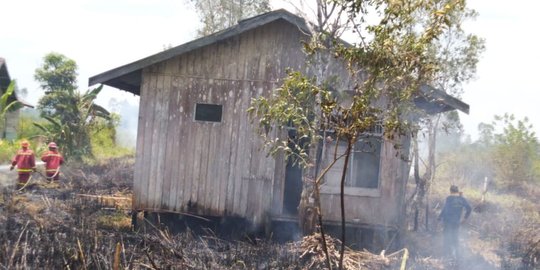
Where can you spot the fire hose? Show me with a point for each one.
(49, 179)
(53, 176)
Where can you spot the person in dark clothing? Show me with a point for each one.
(451, 217)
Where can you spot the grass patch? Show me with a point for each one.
(116, 220)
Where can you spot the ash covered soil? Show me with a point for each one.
(84, 222)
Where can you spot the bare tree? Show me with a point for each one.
(219, 14)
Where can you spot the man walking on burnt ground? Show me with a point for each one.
(25, 161)
(53, 159)
(451, 216)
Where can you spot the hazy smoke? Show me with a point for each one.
(126, 133)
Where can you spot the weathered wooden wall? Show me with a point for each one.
(211, 168)
(218, 169)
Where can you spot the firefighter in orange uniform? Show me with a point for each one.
(53, 159)
(25, 162)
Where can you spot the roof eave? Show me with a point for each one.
(441, 101)
(107, 77)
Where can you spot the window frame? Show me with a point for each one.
(377, 133)
(207, 121)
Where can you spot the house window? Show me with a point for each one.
(208, 112)
(363, 170)
(365, 160)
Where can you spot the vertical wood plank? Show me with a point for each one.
(157, 145)
(225, 147)
(169, 138)
(174, 124)
(190, 129)
(148, 134)
(138, 180)
(183, 188)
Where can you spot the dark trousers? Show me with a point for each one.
(451, 240)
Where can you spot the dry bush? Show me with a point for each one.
(312, 255)
(525, 244)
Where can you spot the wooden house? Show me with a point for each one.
(8, 129)
(198, 153)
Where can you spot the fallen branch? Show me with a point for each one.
(81, 253)
(404, 260)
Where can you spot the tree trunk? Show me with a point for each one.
(342, 200)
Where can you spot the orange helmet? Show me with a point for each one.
(52, 145)
(25, 143)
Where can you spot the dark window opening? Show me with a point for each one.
(293, 178)
(365, 162)
(208, 112)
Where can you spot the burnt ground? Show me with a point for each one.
(54, 227)
(502, 232)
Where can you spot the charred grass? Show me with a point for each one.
(53, 227)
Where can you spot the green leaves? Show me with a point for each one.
(395, 53)
(292, 106)
(71, 114)
(5, 105)
(57, 73)
(514, 149)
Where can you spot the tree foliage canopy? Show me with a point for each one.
(69, 112)
(515, 150)
(507, 152)
(57, 73)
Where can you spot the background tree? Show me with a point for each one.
(219, 14)
(507, 152)
(57, 77)
(516, 151)
(69, 112)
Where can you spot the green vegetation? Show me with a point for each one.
(507, 153)
(82, 129)
(6, 105)
(7, 150)
(103, 139)
(72, 116)
(116, 221)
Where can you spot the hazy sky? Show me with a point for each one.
(103, 34)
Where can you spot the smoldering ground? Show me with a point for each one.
(53, 228)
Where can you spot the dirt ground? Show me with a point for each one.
(84, 222)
